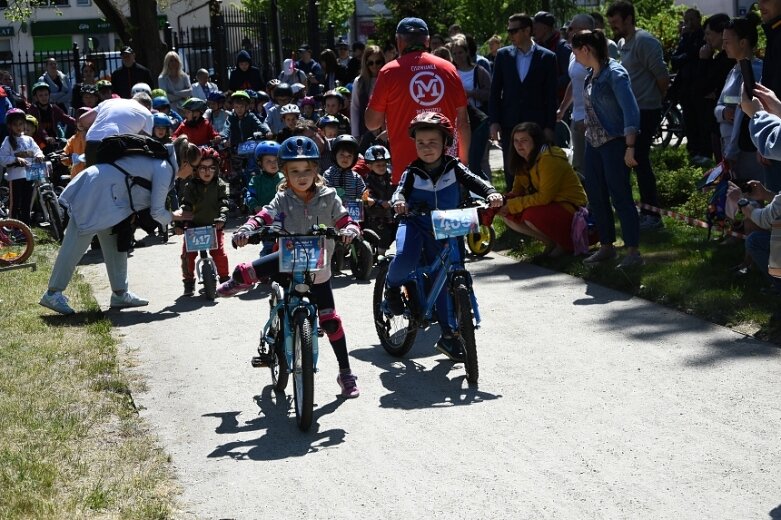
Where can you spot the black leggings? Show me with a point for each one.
(321, 295)
(21, 197)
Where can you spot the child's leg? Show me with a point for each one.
(248, 274)
(330, 322)
(21, 195)
(188, 264)
(409, 246)
(219, 256)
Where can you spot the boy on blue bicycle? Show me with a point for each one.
(301, 202)
(433, 181)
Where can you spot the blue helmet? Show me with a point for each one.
(266, 148)
(217, 97)
(298, 148)
(160, 101)
(327, 120)
(162, 120)
(251, 93)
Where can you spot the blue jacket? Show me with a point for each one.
(613, 100)
(765, 132)
(534, 99)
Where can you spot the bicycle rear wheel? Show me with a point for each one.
(362, 262)
(303, 370)
(466, 330)
(16, 242)
(396, 333)
(54, 212)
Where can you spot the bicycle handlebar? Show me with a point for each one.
(255, 236)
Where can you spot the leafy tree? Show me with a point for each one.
(336, 11)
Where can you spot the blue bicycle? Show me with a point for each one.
(288, 340)
(422, 286)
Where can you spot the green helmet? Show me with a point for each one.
(158, 92)
(241, 94)
(38, 86)
(103, 83)
(195, 104)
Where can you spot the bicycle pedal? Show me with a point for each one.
(259, 362)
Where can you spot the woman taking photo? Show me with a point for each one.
(546, 191)
(612, 121)
(99, 202)
(372, 61)
(175, 81)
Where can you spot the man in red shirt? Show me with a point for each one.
(416, 82)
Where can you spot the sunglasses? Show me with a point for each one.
(369, 63)
(513, 30)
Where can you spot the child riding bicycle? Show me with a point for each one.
(301, 202)
(433, 181)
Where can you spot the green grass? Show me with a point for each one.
(683, 269)
(71, 442)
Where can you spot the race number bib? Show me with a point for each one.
(355, 209)
(200, 239)
(301, 254)
(35, 172)
(454, 222)
(247, 148)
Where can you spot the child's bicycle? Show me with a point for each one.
(16, 241)
(361, 253)
(422, 287)
(288, 340)
(203, 239)
(481, 242)
(45, 196)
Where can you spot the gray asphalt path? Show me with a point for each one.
(591, 404)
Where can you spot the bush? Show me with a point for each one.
(676, 186)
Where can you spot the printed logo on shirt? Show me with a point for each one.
(426, 88)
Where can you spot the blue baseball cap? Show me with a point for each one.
(412, 25)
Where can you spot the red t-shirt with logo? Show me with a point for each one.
(415, 82)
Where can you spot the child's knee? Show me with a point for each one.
(245, 273)
(331, 323)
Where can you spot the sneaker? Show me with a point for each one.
(224, 279)
(232, 288)
(126, 300)
(393, 302)
(348, 385)
(451, 347)
(189, 287)
(602, 255)
(57, 302)
(650, 222)
(630, 261)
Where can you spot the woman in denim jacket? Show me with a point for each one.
(612, 122)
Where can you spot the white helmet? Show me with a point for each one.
(140, 87)
(290, 108)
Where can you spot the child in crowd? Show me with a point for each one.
(89, 96)
(206, 196)
(76, 147)
(105, 90)
(241, 124)
(31, 129)
(161, 128)
(433, 180)
(329, 129)
(271, 85)
(198, 130)
(163, 106)
(333, 103)
(283, 95)
(50, 117)
(348, 184)
(302, 201)
(263, 185)
(308, 106)
(17, 152)
(290, 114)
(377, 196)
(216, 114)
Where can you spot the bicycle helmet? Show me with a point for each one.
(308, 101)
(241, 94)
(266, 148)
(334, 94)
(283, 90)
(262, 97)
(161, 119)
(157, 93)
(15, 113)
(272, 84)
(298, 148)
(160, 101)
(345, 141)
(140, 87)
(38, 86)
(32, 120)
(251, 93)
(344, 91)
(327, 120)
(297, 87)
(376, 153)
(433, 120)
(89, 89)
(290, 108)
(216, 97)
(103, 83)
(207, 152)
(195, 104)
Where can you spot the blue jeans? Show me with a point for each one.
(607, 178)
(758, 248)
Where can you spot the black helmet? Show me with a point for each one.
(347, 142)
(283, 90)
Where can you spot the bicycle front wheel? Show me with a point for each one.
(16, 242)
(303, 370)
(209, 280)
(396, 333)
(466, 330)
(363, 260)
(482, 242)
(55, 218)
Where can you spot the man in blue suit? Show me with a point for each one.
(523, 87)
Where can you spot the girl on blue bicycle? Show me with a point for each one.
(433, 181)
(302, 201)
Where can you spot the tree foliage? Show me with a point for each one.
(336, 11)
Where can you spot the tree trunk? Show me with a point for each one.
(139, 30)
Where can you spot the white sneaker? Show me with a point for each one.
(127, 299)
(57, 302)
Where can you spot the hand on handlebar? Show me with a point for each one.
(495, 200)
(400, 207)
(239, 239)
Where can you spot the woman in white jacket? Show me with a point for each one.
(99, 199)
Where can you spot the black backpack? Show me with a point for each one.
(112, 148)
